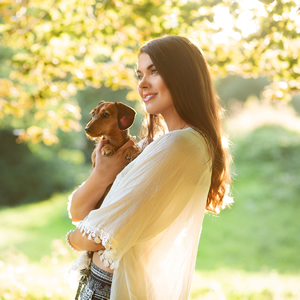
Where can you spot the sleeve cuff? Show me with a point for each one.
(110, 255)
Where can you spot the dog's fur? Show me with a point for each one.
(111, 121)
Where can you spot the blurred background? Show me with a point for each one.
(59, 58)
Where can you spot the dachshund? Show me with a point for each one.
(110, 121)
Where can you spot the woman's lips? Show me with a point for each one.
(149, 97)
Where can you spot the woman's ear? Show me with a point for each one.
(126, 115)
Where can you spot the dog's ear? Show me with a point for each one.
(126, 115)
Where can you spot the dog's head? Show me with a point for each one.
(108, 117)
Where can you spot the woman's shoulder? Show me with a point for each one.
(188, 136)
(185, 141)
(186, 145)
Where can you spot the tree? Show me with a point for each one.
(62, 46)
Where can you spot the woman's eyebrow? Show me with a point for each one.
(149, 67)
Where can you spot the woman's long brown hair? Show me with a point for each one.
(185, 72)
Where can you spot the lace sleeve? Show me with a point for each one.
(109, 256)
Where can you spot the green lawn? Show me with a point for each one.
(31, 228)
(262, 230)
(250, 251)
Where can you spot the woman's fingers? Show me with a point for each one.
(101, 144)
(128, 144)
(110, 166)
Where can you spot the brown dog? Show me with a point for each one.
(111, 121)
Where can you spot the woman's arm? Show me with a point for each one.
(86, 197)
(152, 194)
(81, 243)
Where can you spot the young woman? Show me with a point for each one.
(147, 230)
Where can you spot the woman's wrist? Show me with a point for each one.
(101, 181)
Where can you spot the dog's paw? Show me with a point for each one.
(131, 153)
(128, 157)
(128, 154)
(107, 150)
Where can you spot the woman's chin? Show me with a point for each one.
(150, 109)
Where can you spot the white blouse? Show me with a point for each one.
(150, 221)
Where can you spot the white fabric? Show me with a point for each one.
(150, 221)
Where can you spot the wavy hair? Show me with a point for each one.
(184, 70)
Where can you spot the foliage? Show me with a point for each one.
(31, 174)
(59, 47)
(296, 103)
(236, 88)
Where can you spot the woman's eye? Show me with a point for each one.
(140, 76)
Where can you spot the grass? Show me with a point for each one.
(261, 231)
(248, 252)
(33, 256)
(239, 285)
(31, 228)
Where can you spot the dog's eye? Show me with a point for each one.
(105, 115)
(93, 114)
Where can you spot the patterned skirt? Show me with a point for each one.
(98, 285)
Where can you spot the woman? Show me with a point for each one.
(148, 227)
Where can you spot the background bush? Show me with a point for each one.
(33, 174)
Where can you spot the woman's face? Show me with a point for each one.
(152, 88)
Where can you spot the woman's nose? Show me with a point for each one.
(144, 83)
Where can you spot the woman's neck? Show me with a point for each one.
(174, 122)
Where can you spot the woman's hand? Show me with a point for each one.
(86, 197)
(108, 167)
